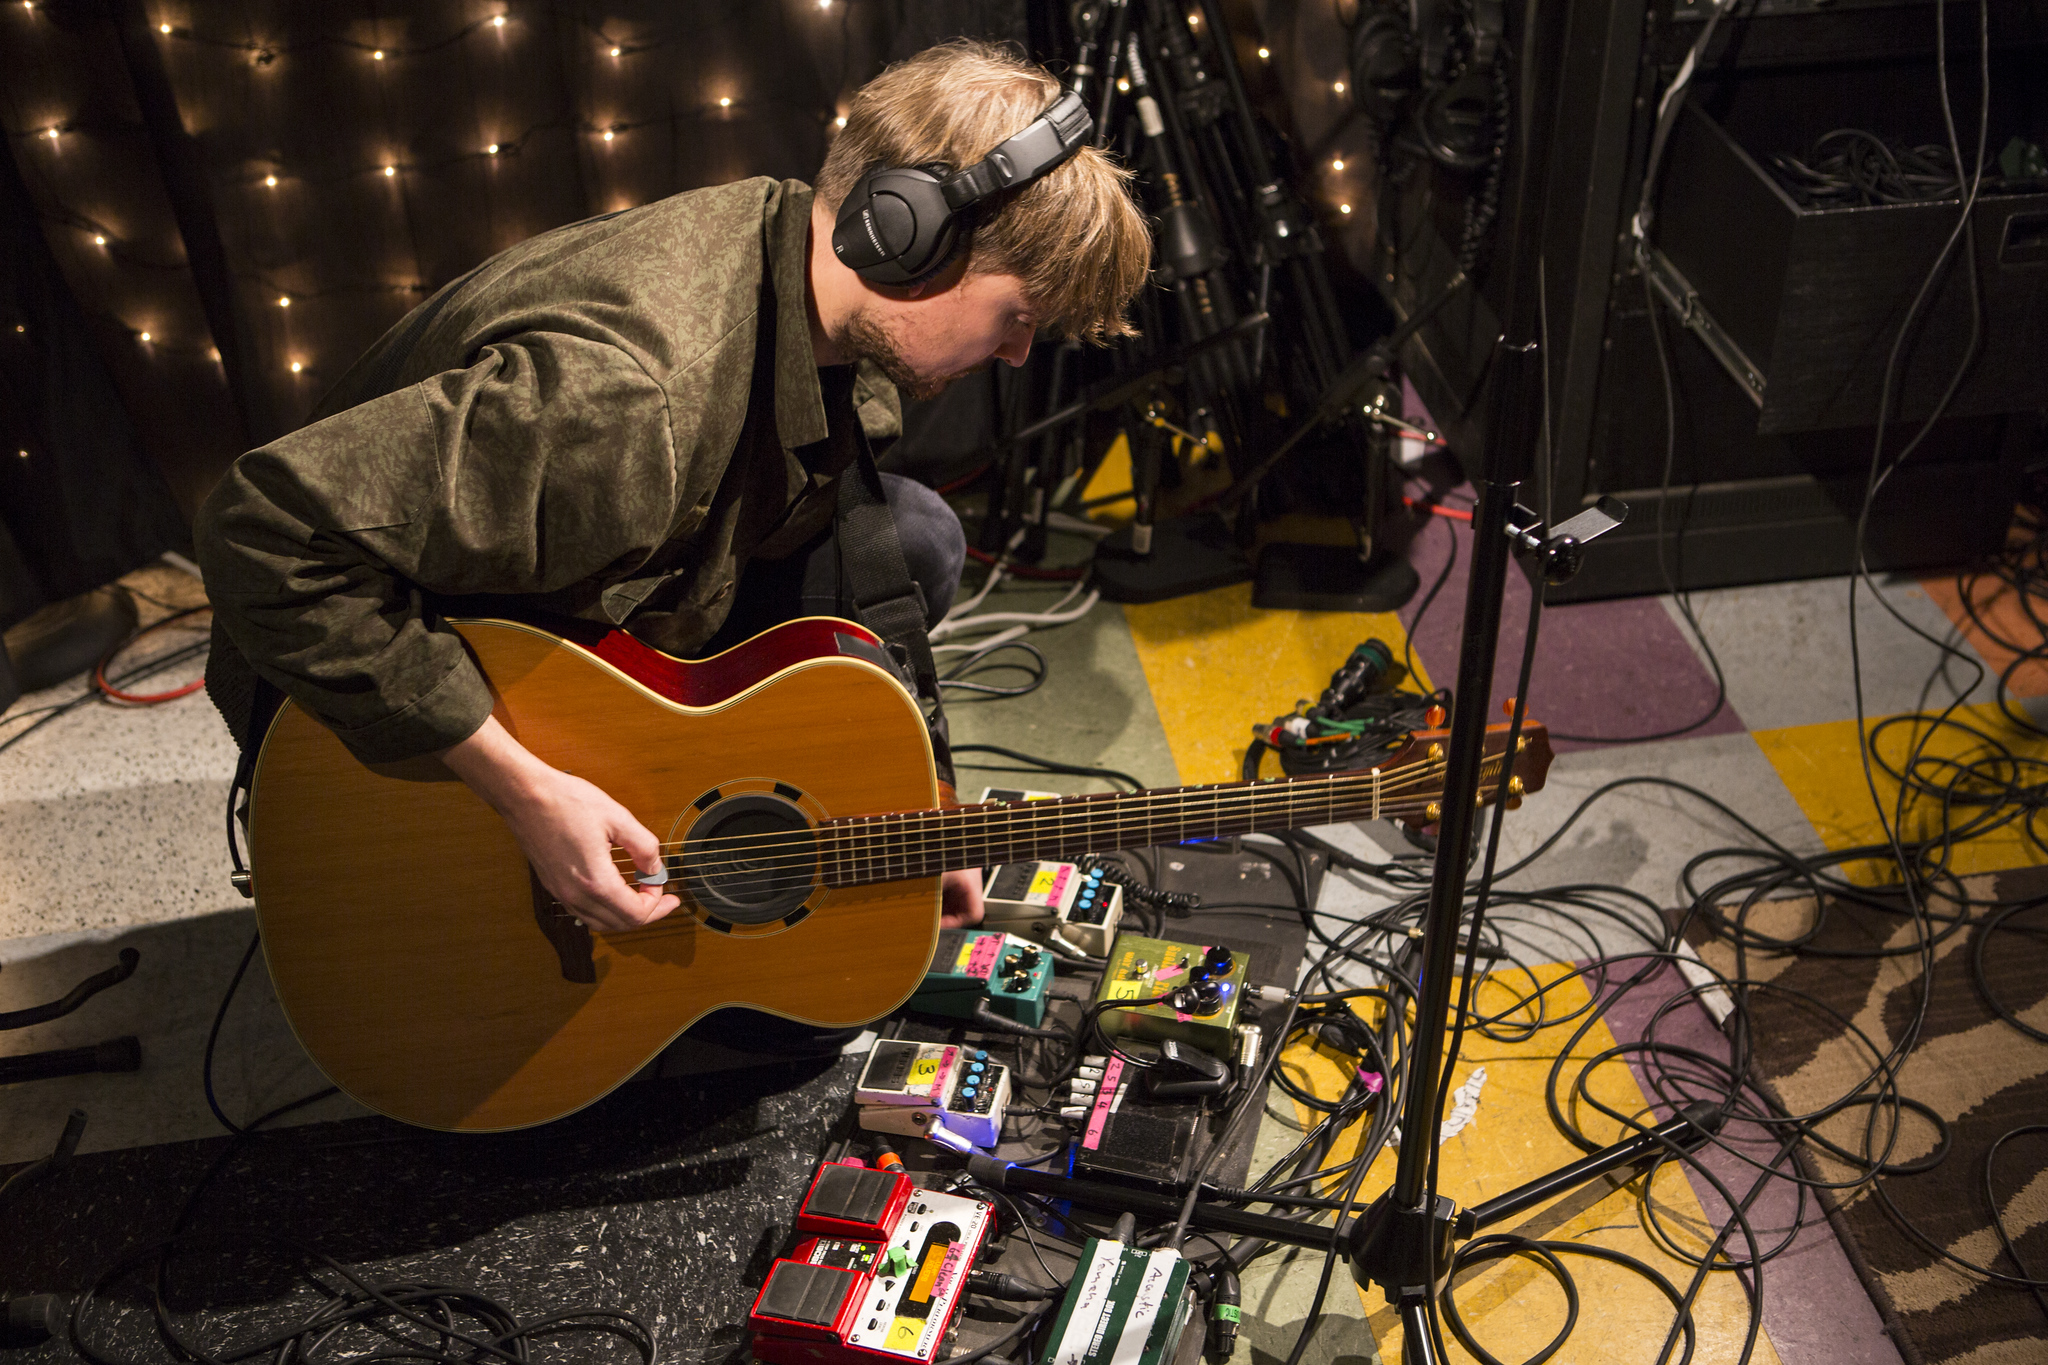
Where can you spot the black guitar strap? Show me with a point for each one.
(876, 579)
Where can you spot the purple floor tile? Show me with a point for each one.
(1605, 671)
(1816, 1310)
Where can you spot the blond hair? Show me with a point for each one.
(1074, 237)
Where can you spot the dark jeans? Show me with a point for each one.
(809, 582)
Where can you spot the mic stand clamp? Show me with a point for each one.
(1560, 554)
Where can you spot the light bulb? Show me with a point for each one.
(163, 28)
(1338, 87)
(492, 149)
(98, 240)
(378, 55)
(270, 180)
(144, 336)
(840, 121)
(1338, 164)
(497, 21)
(607, 135)
(1123, 84)
(284, 300)
(390, 170)
(296, 367)
(725, 103)
(1343, 208)
(1265, 54)
(23, 453)
(53, 135)
(20, 327)
(1194, 21)
(615, 52)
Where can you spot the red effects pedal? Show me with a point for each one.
(878, 1277)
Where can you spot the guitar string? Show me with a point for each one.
(1307, 788)
(769, 881)
(914, 834)
(912, 831)
(1226, 802)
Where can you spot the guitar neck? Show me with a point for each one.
(859, 850)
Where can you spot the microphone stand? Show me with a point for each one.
(1403, 1241)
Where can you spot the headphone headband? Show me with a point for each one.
(900, 224)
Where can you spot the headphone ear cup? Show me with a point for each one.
(894, 227)
(1385, 68)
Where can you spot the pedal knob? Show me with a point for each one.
(1218, 961)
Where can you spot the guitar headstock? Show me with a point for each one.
(1427, 749)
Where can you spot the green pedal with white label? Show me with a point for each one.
(1123, 1306)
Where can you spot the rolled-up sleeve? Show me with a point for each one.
(545, 463)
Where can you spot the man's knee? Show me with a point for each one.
(934, 546)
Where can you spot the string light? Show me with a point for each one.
(99, 239)
(608, 135)
(492, 149)
(839, 122)
(1338, 164)
(271, 181)
(284, 300)
(144, 338)
(1338, 87)
(1123, 84)
(390, 171)
(378, 55)
(615, 51)
(24, 453)
(497, 21)
(1194, 21)
(725, 103)
(1265, 54)
(164, 29)
(296, 367)
(1343, 208)
(53, 134)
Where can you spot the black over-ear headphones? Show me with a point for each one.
(901, 224)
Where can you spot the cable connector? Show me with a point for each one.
(996, 1285)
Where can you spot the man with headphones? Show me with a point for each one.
(647, 419)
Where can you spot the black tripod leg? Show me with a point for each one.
(1687, 1132)
(1418, 1347)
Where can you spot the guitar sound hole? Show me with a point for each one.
(750, 859)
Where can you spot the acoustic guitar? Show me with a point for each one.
(791, 781)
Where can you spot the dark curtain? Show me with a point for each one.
(240, 197)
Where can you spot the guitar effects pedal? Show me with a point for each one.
(907, 1087)
(970, 966)
(1056, 904)
(877, 1277)
(1195, 989)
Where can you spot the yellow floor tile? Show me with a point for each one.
(1820, 765)
(1217, 666)
(1514, 1307)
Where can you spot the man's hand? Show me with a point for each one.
(960, 898)
(568, 828)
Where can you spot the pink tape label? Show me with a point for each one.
(1105, 1100)
(987, 951)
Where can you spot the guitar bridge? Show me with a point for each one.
(569, 936)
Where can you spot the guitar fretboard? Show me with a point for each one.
(860, 850)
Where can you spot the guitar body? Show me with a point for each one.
(427, 974)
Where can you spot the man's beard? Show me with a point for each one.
(863, 338)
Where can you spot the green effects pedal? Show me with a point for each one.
(973, 965)
(1201, 986)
